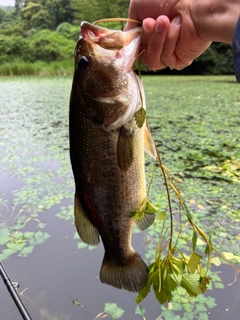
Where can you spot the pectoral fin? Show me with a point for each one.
(146, 221)
(86, 230)
(149, 144)
(125, 148)
(149, 211)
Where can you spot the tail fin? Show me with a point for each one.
(131, 275)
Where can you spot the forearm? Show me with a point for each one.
(215, 20)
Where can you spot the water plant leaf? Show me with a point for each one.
(203, 316)
(4, 236)
(139, 310)
(81, 245)
(18, 246)
(8, 252)
(26, 251)
(28, 234)
(210, 302)
(113, 310)
(216, 261)
(231, 256)
(39, 237)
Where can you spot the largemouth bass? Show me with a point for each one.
(108, 135)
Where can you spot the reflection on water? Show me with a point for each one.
(57, 279)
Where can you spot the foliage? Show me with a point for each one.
(2, 15)
(45, 45)
(84, 10)
(112, 310)
(216, 60)
(18, 242)
(12, 48)
(68, 31)
(176, 268)
(37, 68)
(48, 45)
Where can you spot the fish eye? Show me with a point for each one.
(83, 63)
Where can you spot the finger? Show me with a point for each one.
(151, 56)
(147, 29)
(168, 54)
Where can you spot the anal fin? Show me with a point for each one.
(86, 230)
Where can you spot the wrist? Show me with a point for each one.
(215, 20)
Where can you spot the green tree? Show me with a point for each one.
(98, 9)
(84, 10)
(29, 13)
(2, 15)
(59, 11)
(19, 4)
(65, 11)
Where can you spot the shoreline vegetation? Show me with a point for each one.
(37, 68)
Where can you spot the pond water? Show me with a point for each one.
(195, 123)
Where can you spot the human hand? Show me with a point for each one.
(169, 32)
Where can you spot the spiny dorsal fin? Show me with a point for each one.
(86, 230)
(125, 148)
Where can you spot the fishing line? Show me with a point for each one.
(117, 20)
(10, 286)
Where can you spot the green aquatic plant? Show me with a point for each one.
(172, 267)
(112, 310)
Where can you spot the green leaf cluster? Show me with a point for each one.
(166, 275)
(147, 207)
(113, 310)
(20, 242)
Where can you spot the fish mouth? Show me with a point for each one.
(123, 46)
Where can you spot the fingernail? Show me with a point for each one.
(159, 26)
(147, 30)
(177, 20)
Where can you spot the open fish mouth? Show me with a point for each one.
(113, 44)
